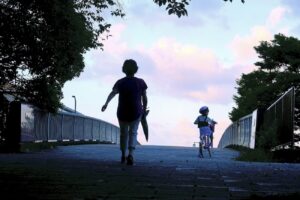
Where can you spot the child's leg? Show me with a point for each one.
(133, 127)
(123, 137)
(206, 141)
(201, 147)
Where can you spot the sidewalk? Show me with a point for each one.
(94, 172)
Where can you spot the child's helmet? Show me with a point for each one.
(203, 110)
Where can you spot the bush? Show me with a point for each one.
(267, 137)
(252, 155)
(262, 155)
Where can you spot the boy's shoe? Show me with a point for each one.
(129, 160)
(123, 158)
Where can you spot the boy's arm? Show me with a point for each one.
(196, 121)
(211, 121)
(109, 98)
(145, 100)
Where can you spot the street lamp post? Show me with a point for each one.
(75, 102)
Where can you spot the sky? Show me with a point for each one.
(187, 62)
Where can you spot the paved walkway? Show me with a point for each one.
(94, 172)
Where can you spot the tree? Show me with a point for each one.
(42, 44)
(278, 70)
(178, 7)
(251, 93)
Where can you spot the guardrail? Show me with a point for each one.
(41, 126)
(279, 116)
(279, 122)
(25, 123)
(241, 132)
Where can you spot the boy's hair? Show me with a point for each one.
(129, 67)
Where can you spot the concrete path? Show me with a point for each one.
(95, 172)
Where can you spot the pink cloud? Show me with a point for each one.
(114, 44)
(105, 65)
(277, 15)
(173, 68)
(175, 59)
(188, 71)
(213, 94)
(243, 47)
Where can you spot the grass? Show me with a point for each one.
(261, 155)
(252, 155)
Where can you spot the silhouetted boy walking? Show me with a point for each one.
(132, 104)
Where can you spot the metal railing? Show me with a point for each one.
(277, 127)
(41, 126)
(280, 118)
(241, 132)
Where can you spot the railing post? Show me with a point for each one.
(105, 132)
(111, 134)
(117, 135)
(48, 127)
(92, 130)
(100, 131)
(74, 121)
(62, 127)
(293, 116)
(83, 132)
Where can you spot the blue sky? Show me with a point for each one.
(187, 62)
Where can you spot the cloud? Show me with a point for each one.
(292, 14)
(114, 44)
(106, 64)
(276, 15)
(243, 46)
(176, 60)
(185, 70)
(169, 66)
(214, 94)
(293, 5)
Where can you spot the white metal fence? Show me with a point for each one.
(281, 113)
(38, 125)
(241, 132)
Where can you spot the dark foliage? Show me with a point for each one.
(177, 7)
(42, 43)
(278, 71)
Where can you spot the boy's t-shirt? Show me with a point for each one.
(130, 91)
(204, 127)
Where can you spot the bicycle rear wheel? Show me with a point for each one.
(207, 144)
(200, 155)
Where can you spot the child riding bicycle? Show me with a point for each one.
(206, 128)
